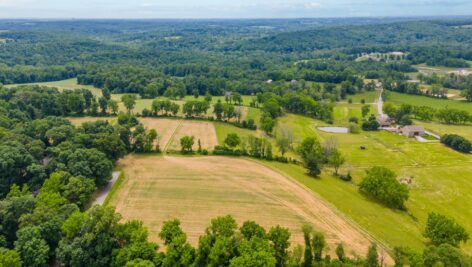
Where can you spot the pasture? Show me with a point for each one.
(416, 100)
(196, 189)
(439, 128)
(440, 181)
(68, 84)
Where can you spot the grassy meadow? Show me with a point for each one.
(440, 181)
(64, 85)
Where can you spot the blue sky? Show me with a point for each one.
(229, 9)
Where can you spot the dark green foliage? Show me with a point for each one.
(381, 184)
(457, 142)
(371, 124)
(311, 152)
(443, 230)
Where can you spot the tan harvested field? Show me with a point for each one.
(165, 128)
(197, 189)
(201, 130)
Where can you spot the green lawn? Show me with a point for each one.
(415, 100)
(343, 111)
(439, 128)
(369, 97)
(440, 181)
(64, 85)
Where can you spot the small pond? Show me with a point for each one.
(334, 129)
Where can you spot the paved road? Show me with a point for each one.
(102, 195)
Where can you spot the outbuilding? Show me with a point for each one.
(412, 130)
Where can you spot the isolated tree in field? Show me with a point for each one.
(129, 101)
(336, 160)
(443, 230)
(218, 110)
(237, 98)
(311, 153)
(267, 123)
(232, 140)
(186, 143)
(208, 97)
(381, 183)
(113, 105)
(365, 110)
(283, 143)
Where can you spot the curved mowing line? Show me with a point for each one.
(171, 139)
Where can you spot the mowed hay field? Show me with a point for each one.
(201, 130)
(197, 189)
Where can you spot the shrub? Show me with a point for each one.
(354, 119)
(457, 142)
(371, 124)
(354, 128)
(346, 177)
(381, 184)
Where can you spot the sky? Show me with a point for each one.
(230, 8)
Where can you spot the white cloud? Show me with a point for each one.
(312, 5)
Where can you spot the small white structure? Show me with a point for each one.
(412, 130)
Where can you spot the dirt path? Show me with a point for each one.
(103, 193)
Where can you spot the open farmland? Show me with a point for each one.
(440, 181)
(196, 189)
(201, 130)
(416, 100)
(165, 128)
(68, 84)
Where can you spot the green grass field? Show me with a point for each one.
(440, 181)
(369, 97)
(415, 100)
(439, 128)
(64, 85)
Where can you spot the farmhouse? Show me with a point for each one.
(412, 130)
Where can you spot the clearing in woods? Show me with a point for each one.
(197, 189)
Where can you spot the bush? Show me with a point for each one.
(457, 142)
(371, 124)
(381, 184)
(354, 128)
(346, 177)
(354, 120)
